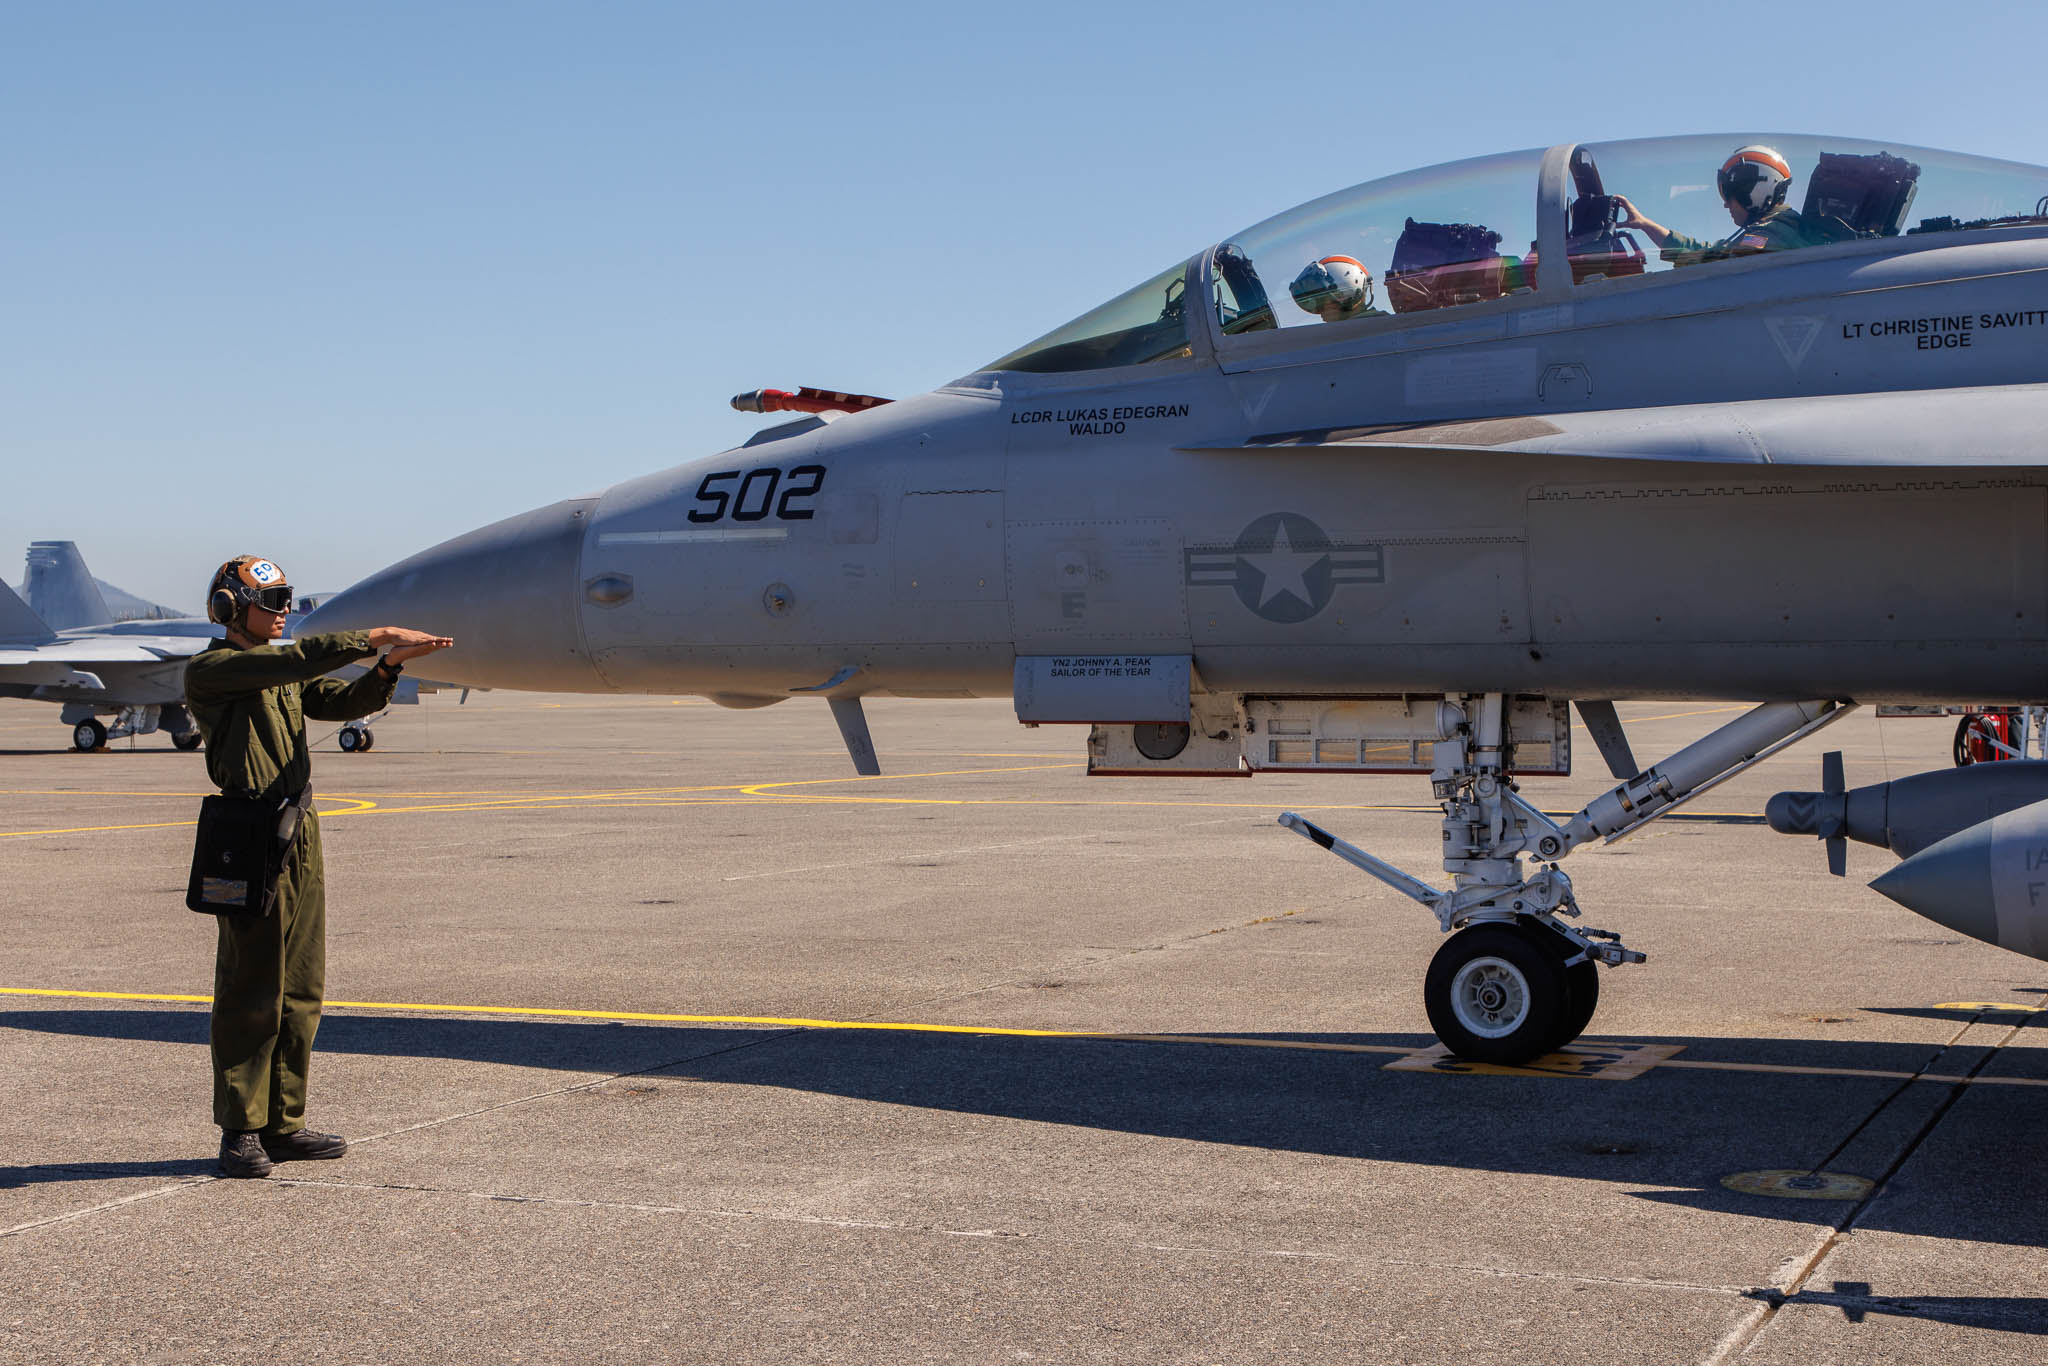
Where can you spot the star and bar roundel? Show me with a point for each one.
(1284, 567)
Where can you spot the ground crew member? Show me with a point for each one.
(251, 699)
(1752, 183)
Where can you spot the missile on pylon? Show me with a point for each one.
(1974, 841)
(1989, 881)
(1908, 814)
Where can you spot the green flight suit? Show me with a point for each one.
(270, 972)
(1779, 230)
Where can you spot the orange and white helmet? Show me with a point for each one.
(1333, 287)
(1755, 178)
(244, 581)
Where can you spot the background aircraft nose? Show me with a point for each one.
(506, 592)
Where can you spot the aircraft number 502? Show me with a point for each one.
(754, 500)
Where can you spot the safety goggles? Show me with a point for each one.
(276, 598)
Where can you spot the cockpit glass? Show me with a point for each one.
(1663, 203)
(1438, 238)
(1144, 324)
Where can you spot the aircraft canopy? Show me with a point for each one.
(1470, 233)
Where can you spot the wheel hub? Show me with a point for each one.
(1490, 997)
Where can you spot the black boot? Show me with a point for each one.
(303, 1144)
(242, 1155)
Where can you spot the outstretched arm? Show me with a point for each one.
(223, 675)
(329, 699)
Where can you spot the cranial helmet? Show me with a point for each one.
(243, 581)
(1333, 287)
(1754, 178)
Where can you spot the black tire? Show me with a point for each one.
(189, 740)
(350, 740)
(89, 735)
(1963, 757)
(369, 740)
(1584, 981)
(1498, 993)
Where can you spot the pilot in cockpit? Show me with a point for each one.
(1335, 289)
(1752, 183)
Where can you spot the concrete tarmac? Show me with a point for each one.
(660, 1036)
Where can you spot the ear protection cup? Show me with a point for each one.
(224, 602)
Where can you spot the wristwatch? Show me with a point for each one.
(388, 669)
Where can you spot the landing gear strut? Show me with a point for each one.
(1515, 981)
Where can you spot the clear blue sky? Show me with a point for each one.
(334, 283)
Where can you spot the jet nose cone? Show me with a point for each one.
(506, 592)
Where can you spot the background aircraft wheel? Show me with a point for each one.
(189, 740)
(1975, 735)
(369, 739)
(89, 734)
(350, 740)
(1498, 993)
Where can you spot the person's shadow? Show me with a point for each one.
(13, 1178)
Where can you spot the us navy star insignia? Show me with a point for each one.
(1284, 568)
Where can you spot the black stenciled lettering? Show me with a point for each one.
(798, 489)
(716, 497)
(739, 502)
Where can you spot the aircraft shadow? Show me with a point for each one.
(1857, 1301)
(1673, 1134)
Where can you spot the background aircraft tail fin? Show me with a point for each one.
(64, 593)
(60, 590)
(19, 624)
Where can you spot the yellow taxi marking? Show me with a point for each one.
(1586, 1058)
(553, 1012)
(96, 829)
(1603, 1062)
(1800, 1185)
(356, 804)
(1991, 1005)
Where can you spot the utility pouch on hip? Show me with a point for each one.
(239, 851)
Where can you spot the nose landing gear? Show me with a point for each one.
(1515, 981)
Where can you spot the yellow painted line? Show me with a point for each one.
(104, 995)
(97, 829)
(552, 1012)
(1990, 1005)
(1427, 1058)
(357, 805)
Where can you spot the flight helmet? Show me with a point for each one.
(244, 581)
(1332, 288)
(1755, 179)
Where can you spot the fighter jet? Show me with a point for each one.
(1383, 484)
